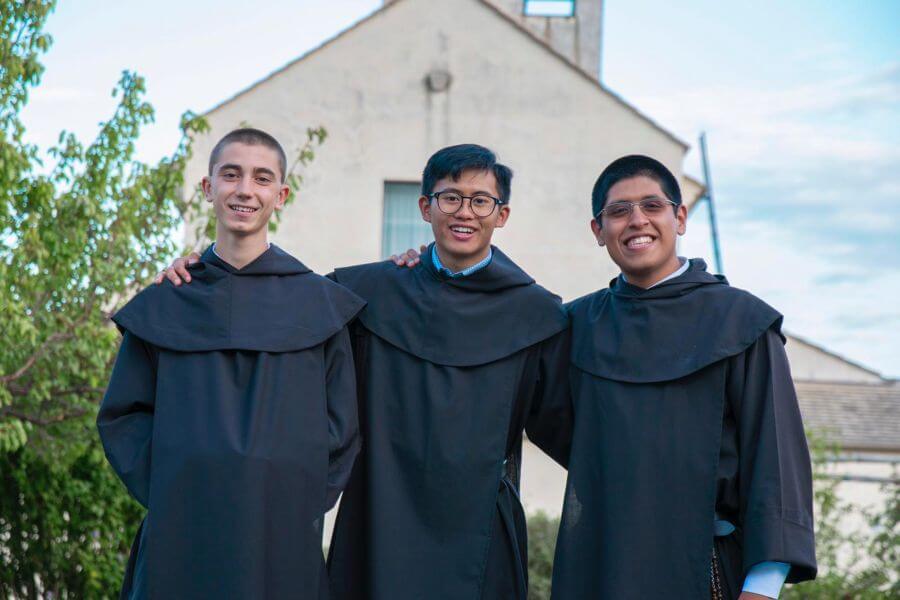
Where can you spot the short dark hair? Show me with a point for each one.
(634, 165)
(453, 160)
(251, 137)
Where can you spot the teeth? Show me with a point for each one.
(639, 241)
(463, 229)
(243, 209)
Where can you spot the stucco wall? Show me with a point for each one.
(810, 363)
(554, 126)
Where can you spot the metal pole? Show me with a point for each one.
(712, 207)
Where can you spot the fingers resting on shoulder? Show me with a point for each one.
(177, 272)
(410, 258)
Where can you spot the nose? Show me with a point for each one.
(244, 187)
(637, 218)
(465, 211)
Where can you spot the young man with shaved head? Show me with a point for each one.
(689, 474)
(231, 411)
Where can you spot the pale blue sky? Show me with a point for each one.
(800, 100)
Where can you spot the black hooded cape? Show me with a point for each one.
(685, 413)
(450, 370)
(231, 416)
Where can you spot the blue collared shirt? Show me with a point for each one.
(766, 578)
(436, 261)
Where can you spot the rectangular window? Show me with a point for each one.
(550, 8)
(403, 227)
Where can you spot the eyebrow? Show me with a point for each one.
(264, 170)
(650, 197)
(256, 171)
(458, 191)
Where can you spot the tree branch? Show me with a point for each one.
(42, 422)
(50, 341)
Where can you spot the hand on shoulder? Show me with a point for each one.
(410, 258)
(177, 271)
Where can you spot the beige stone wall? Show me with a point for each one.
(551, 123)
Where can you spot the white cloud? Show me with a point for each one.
(763, 126)
(824, 289)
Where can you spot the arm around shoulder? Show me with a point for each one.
(343, 421)
(550, 421)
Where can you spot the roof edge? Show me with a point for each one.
(702, 186)
(314, 50)
(883, 384)
(839, 357)
(684, 145)
(388, 5)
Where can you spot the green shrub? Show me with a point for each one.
(65, 527)
(542, 531)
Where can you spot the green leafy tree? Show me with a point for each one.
(65, 520)
(77, 239)
(853, 565)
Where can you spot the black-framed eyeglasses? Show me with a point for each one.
(450, 203)
(622, 209)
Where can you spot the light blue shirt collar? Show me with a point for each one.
(436, 261)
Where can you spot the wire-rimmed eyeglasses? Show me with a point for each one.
(622, 209)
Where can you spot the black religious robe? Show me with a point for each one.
(231, 416)
(685, 413)
(450, 371)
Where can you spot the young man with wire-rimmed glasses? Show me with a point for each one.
(689, 474)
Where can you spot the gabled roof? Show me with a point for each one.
(692, 189)
(857, 416)
(390, 5)
(581, 72)
(834, 355)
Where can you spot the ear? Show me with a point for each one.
(425, 208)
(206, 185)
(283, 195)
(597, 229)
(681, 219)
(502, 216)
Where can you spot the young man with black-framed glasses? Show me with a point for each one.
(455, 356)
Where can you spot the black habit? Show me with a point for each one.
(231, 416)
(450, 371)
(685, 413)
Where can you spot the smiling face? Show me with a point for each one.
(463, 239)
(642, 246)
(245, 188)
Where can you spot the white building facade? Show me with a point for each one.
(418, 75)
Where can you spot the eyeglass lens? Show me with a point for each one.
(451, 203)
